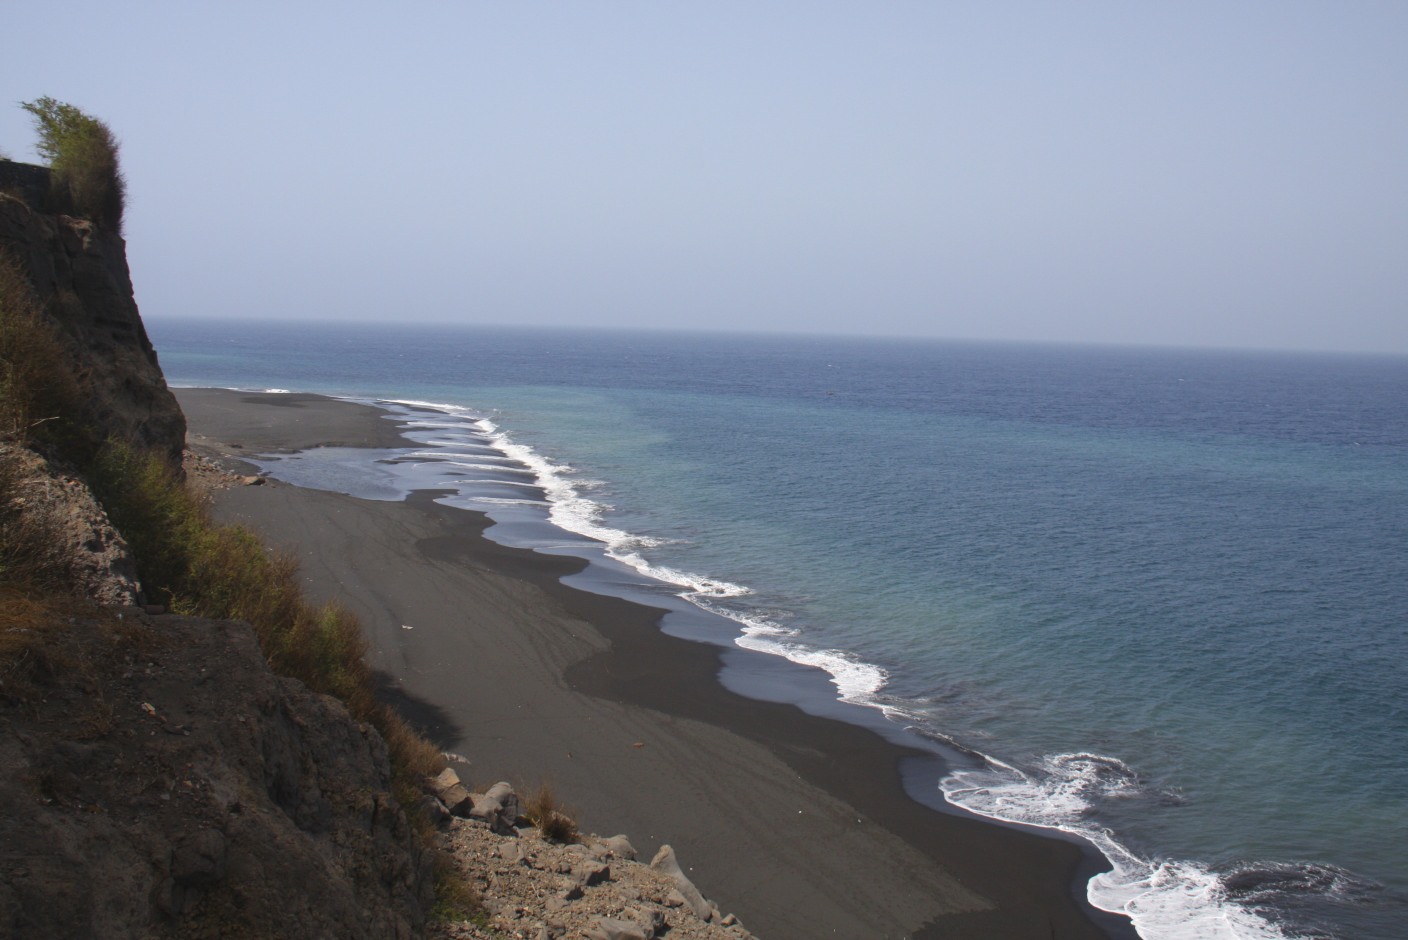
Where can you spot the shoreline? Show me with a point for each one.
(800, 824)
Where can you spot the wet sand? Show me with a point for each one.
(797, 824)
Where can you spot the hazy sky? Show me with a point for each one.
(1222, 173)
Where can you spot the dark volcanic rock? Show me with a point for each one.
(157, 780)
(79, 274)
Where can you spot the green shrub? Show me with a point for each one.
(163, 523)
(194, 566)
(83, 158)
(553, 820)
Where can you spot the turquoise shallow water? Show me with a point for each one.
(1165, 592)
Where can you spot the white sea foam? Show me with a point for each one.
(499, 461)
(450, 450)
(504, 501)
(470, 481)
(496, 468)
(856, 681)
(1166, 900)
(432, 405)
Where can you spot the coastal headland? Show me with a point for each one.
(798, 824)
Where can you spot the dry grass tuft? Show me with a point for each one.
(550, 817)
(224, 572)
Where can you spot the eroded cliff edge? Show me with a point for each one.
(79, 275)
(157, 779)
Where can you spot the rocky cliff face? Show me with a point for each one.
(156, 778)
(160, 781)
(55, 513)
(80, 277)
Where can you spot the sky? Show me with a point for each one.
(1226, 173)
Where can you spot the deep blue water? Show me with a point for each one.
(1164, 591)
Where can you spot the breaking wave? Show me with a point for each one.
(1165, 899)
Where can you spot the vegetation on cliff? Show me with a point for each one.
(185, 561)
(63, 430)
(37, 394)
(163, 777)
(83, 159)
(194, 566)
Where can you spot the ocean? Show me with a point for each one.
(1156, 598)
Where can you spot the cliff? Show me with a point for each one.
(157, 778)
(159, 781)
(80, 278)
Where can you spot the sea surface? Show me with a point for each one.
(1156, 598)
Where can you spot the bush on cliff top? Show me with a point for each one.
(83, 159)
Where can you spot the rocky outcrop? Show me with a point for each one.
(80, 277)
(157, 780)
(527, 886)
(66, 528)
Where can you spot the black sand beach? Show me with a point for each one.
(799, 825)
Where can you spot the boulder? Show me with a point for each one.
(618, 846)
(458, 801)
(666, 863)
(498, 807)
(610, 928)
(444, 780)
(592, 874)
